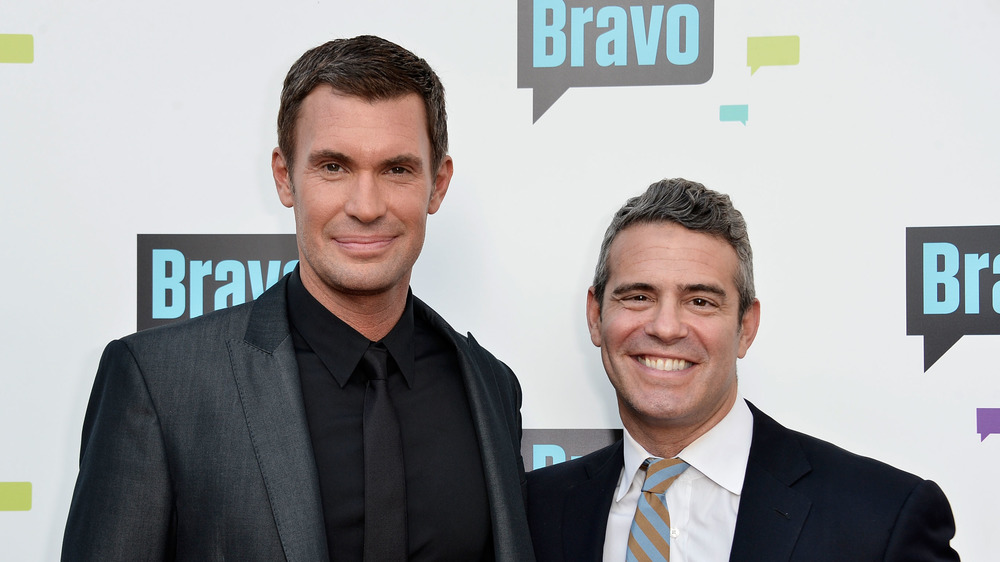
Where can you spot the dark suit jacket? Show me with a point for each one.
(803, 500)
(196, 446)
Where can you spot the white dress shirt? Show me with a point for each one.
(704, 499)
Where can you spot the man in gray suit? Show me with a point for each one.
(244, 434)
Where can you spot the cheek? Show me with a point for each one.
(614, 369)
(316, 212)
(618, 330)
(614, 339)
(304, 217)
(410, 210)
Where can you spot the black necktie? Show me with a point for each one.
(385, 484)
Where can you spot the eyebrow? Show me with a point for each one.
(320, 156)
(704, 288)
(315, 158)
(629, 287)
(411, 160)
(692, 288)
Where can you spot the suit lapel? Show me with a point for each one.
(504, 478)
(587, 506)
(267, 377)
(771, 513)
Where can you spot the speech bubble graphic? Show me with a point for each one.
(952, 285)
(15, 496)
(564, 44)
(186, 275)
(17, 48)
(740, 113)
(987, 422)
(779, 50)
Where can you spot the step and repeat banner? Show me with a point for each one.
(859, 139)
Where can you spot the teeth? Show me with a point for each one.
(661, 364)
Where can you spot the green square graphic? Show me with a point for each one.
(17, 48)
(15, 496)
(772, 51)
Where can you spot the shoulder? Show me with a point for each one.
(826, 460)
(172, 357)
(465, 344)
(191, 332)
(189, 349)
(423, 312)
(262, 322)
(835, 478)
(884, 508)
(587, 483)
(586, 467)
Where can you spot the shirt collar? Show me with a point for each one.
(720, 454)
(400, 342)
(338, 345)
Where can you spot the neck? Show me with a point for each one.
(372, 315)
(667, 439)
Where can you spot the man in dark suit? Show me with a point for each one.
(337, 417)
(702, 475)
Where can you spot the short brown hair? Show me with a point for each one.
(372, 69)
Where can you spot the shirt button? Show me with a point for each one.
(674, 533)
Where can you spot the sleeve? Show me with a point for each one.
(504, 466)
(122, 503)
(925, 527)
(516, 391)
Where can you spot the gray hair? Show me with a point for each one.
(695, 207)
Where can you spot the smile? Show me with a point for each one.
(364, 244)
(661, 364)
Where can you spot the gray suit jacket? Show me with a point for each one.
(196, 447)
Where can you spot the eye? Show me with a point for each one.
(397, 170)
(332, 167)
(638, 301)
(703, 303)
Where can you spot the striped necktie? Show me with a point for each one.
(649, 539)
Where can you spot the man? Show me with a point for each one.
(672, 308)
(337, 416)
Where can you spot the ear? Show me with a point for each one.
(594, 317)
(441, 182)
(282, 178)
(748, 327)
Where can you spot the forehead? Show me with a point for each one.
(332, 115)
(667, 253)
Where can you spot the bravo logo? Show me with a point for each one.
(952, 285)
(546, 447)
(565, 44)
(186, 275)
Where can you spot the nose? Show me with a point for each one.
(365, 201)
(667, 323)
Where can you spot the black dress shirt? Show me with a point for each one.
(447, 510)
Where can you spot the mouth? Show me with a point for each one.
(664, 364)
(364, 244)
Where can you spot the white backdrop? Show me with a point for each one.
(159, 118)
